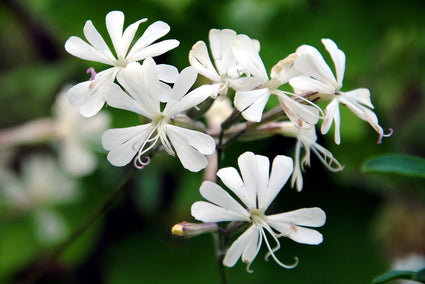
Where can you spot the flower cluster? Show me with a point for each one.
(170, 108)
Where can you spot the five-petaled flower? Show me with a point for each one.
(90, 95)
(144, 98)
(256, 189)
(318, 77)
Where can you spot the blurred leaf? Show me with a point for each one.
(397, 164)
(401, 274)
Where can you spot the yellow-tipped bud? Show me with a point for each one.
(188, 230)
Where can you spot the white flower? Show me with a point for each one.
(228, 71)
(318, 77)
(252, 102)
(144, 89)
(89, 95)
(307, 140)
(39, 187)
(75, 135)
(256, 189)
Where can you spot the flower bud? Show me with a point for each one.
(188, 230)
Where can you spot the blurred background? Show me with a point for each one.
(372, 220)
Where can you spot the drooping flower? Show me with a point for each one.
(89, 95)
(228, 72)
(144, 98)
(76, 135)
(252, 102)
(318, 77)
(256, 190)
(307, 139)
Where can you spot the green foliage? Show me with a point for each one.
(401, 274)
(396, 164)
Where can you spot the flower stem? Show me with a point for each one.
(101, 210)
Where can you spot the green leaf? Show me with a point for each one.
(420, 276)
(394, 275)
(396, 164)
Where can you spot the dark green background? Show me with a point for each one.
(370, 218)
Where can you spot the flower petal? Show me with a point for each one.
(114, 25)
(311, 63)
(97, 41)
(281, 170)
(239, 246)
(252, 103)
(184, 82)
(217, 195)
(248, 166)
(200, 60)
(310, 217)
(190, 146)
(246, 53)
(167, 73)
(93, 104)
(207, 212)
(338, 57)
(190, 100)
(79, 48)
(220, 41)
(124, 143)
(231, 178)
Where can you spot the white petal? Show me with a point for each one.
(239, 246)
(115, 137)
(299, 234)
(124, 143)
(78, 93)
(96, 40)
(361, 95)
(332, 114)
(128, 36)
(252, 103)
(247, 55)
(215, 194)
(154, 50)
(132, 78)
(190, 100)
(114, 25)
(220, 41)
(309, 217)
(249, 168)
(93, 104)
(231, 178)
(151, 34)
(184, 82)
(281, 170)
(79, 48)
(304, 84)
(301, 115)
(311, 63)
(255, 111)
(117, 98)
(200, 60)
(263, 172)
(338, 58)
(167, 73)
(191, 146)
(207, 212)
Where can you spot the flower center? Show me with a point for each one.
(257, 216)
(121, 62)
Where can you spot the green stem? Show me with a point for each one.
(101, 210)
